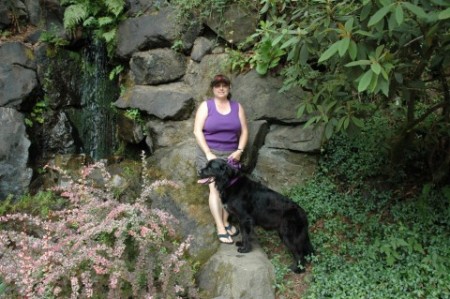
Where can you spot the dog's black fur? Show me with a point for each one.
(254, 204)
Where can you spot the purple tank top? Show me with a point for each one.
(221, 131)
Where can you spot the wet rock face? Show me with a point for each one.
(15, 176)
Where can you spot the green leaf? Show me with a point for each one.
(304, 54)
(365, 11)
(109, 35)
(379, 15)
(261, 68)
(289, 42)
(399, 16)
(277, 39)
(301, 110)
(365, 81)
(353, 50)
(384, 87)
(330, 51)
(445, 14)
(358, 122)
(105, 21)
(329, 130)
(74, 14)
(358, 62)
(343, 46)
(349, 25)
(418, 11)
(340, 123)
(376, 68)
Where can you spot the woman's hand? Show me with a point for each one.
(210, 156)
(236, 155)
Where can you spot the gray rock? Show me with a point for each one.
(169, 101)
(157, 66)
(15, 176)
(17, 53)
(261, 98)
(202, 46)
(232, 275)
(158, 30)
(17, 84)
(280, 169)
(295, 138)
(235, 24)
(168, 133)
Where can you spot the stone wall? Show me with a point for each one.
(165, 85)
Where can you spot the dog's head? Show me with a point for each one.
(218, 170)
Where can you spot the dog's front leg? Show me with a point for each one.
(246, 224)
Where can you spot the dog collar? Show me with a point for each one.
(233, 181)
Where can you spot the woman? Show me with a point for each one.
(221, 131)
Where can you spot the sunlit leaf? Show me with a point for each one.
(330, 51)
(365, 81)
(353, 50)
(399, 16)
(376, 68)
(358, 62)
(343, 46)
(445, 14)
(379, 15)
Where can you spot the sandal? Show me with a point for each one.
(225, 236)
(229, 228)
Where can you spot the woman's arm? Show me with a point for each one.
(243, 138)
(200, 118)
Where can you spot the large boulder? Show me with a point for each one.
(262, 100)
(232, 275)
(236, 23)
(280, 169)
(157, 30)
(157, 66)
(15, 176)
(18, 80)
(166, 102)
(295, 138)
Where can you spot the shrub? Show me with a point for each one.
(96, 248)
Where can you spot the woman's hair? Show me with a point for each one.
(220, 79)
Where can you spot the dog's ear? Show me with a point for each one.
(230, 171)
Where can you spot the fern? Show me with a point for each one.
(75, 14)
(115, 6)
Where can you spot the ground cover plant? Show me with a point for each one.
(377, 234)
(95, 247)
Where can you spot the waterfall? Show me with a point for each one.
(95, 122)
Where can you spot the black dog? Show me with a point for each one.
(254, 204)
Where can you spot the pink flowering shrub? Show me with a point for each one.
(97, 248)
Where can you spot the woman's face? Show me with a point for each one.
(221, 90)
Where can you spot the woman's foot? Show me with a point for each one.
(225, 238)
(232, 230)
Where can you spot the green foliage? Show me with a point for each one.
(375, 236)
(37, 114)
(134, 114)
(101, 17)
(356, 56)
(39, 204)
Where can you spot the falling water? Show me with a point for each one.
(96, 122)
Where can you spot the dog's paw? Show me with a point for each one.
(244, 249)
(296, 269)
(239, 243)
